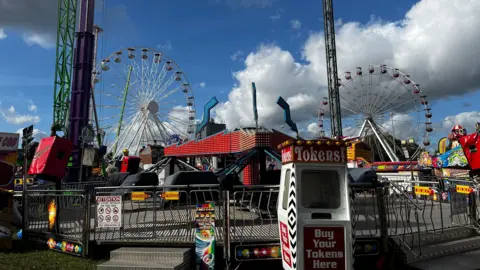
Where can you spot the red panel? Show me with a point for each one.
(51, 157)
(247, 172)
(471, 148)
(225, 143)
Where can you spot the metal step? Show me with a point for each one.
(149, 258)
(444, 249)
(152, 255)
(132, 266)
(447, 235)
(464, 261)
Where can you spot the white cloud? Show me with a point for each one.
(442, 59)
(296, 24)
(46, 41)
(36, 19)
(3, 35)
(11, 116)
(19, 119)
(237, 56)
(166, 46)
(466, 119)
(32, 107)
(202, 84)
(37, 134)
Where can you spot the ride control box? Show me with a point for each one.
(314, 208)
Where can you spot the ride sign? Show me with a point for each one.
(463, 189)
(315, 152)
(285, 244)
(105, 206)
(419, 190)
(324, 248)
(9, 141)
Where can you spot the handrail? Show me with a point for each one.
(405, 195)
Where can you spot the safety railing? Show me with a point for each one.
(253, 213)
(60, 213)
(248, 213)
(147, 215)
(421, 210)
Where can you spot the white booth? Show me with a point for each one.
(314, 206)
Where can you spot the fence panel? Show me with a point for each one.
(156, 216)
(367, 219)
(69, 218)
(253, 214)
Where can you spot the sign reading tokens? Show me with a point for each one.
(324, 248)
(422, 190)
(315, 153)
(109, 211)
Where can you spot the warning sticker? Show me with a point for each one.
(109, 211)
(422, 190)
(463, 189)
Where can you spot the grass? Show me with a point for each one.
(44, 259)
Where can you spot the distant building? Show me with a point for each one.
(212, 128)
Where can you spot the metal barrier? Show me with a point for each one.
(253, 214)
(69, 221)
(153, 218)
(247, 214)
(415, 217)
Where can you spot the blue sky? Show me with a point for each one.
(202, 37)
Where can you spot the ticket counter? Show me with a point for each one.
(314, 206)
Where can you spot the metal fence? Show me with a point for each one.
(248, 213)
(68, 222)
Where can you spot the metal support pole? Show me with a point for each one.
(24, 195)
(86, 222)
(383, 214)
(473, 209)
(226, 229)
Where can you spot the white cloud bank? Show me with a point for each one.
(436, 43)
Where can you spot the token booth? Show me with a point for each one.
(314, 206)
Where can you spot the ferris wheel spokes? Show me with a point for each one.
(156, 86)
(368, 101)
(386, 147)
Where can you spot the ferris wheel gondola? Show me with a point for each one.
(143, 98)
(382, 106)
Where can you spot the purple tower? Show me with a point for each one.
(81, 82)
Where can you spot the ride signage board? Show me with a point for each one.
(324, 248)
(315, 152)
(286, 257)
(419, 190)
(170, 195)
(9, 141)
(463, 189)
(109, 211)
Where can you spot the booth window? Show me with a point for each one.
(286, 185)
(320, 189)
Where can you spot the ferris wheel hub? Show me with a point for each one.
(152, 106)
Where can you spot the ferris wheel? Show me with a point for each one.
(382, 106)
(142, 97)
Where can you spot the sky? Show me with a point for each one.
(222, 46)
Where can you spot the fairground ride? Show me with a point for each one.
(382, 105)
(142, 98)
